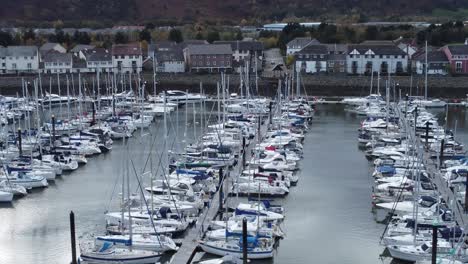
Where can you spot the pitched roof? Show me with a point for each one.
(98, 54)
(81, 47)
(188, 42)
(48, 46)
(458, 49)
(215, 49)
(337, 57)
(432, 56)
(170, 55)
(377, 42)
(243, 45)
(302, 42)
(57, 57)
(29, 51)
(377, 49)
(314, 49)
(126, 49)
(337, 48)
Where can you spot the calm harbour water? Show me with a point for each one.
(329, 217)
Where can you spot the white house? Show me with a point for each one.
(168, 57)
(55, 62)
(2, 60)
(246, 51)
(437, 61)
(127, 58)
(363, 59)
(298, 44)
(98, 60)
(312, 59)
(19, 59)
(51, 47)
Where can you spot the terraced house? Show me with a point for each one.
(457, 56)
(312, 59)
(378, 58)
(209, 57)
(19, 59)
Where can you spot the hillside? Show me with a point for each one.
(227, 10)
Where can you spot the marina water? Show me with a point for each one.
(329, 216)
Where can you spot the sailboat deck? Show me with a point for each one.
(196, 233)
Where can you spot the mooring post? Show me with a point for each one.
(20, 145)
(415, 118)
(441, 155)
(466, 196)
(244, 240)
(427, 135)
(434, 244)
(259, 128)
(72, 235)
(53, 130)
(243, 152)
(94, 113)
(221, 194)
(270, 107)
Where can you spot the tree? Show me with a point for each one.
(145, 35)
(150, 26)
(120, 38)
(212, 36)
(290, 32)
(29, 35)
(371, 33)
(175, 35)
(199, 35)
(239, 35)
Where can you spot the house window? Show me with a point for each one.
(458, 66)
(208, 63)
(227, 63)
(321, 56)
(214, 56)
(351, 56)
(372, 56)
(396, 56)
(68, 64)
(32, 58)
(214, 63)
(381, 56)
(331, 63)
(388, 56)
(25, 57)
(55, 64)
(29, 66)
(358, 56)
(13, 66)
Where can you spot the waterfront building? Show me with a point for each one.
(383, 58)
(168, 57)
(436, 60)
(298, 44)
(209, 57)
(19, 59)
(312, 59)
(457, 56)
(127, 58)
(56, 62)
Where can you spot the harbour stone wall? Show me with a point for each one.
(317, 85)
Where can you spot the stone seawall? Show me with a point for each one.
(321, 85)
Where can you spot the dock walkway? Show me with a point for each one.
(189, 242)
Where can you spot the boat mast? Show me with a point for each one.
(425, 74)
(371, 82)
(298, 85)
